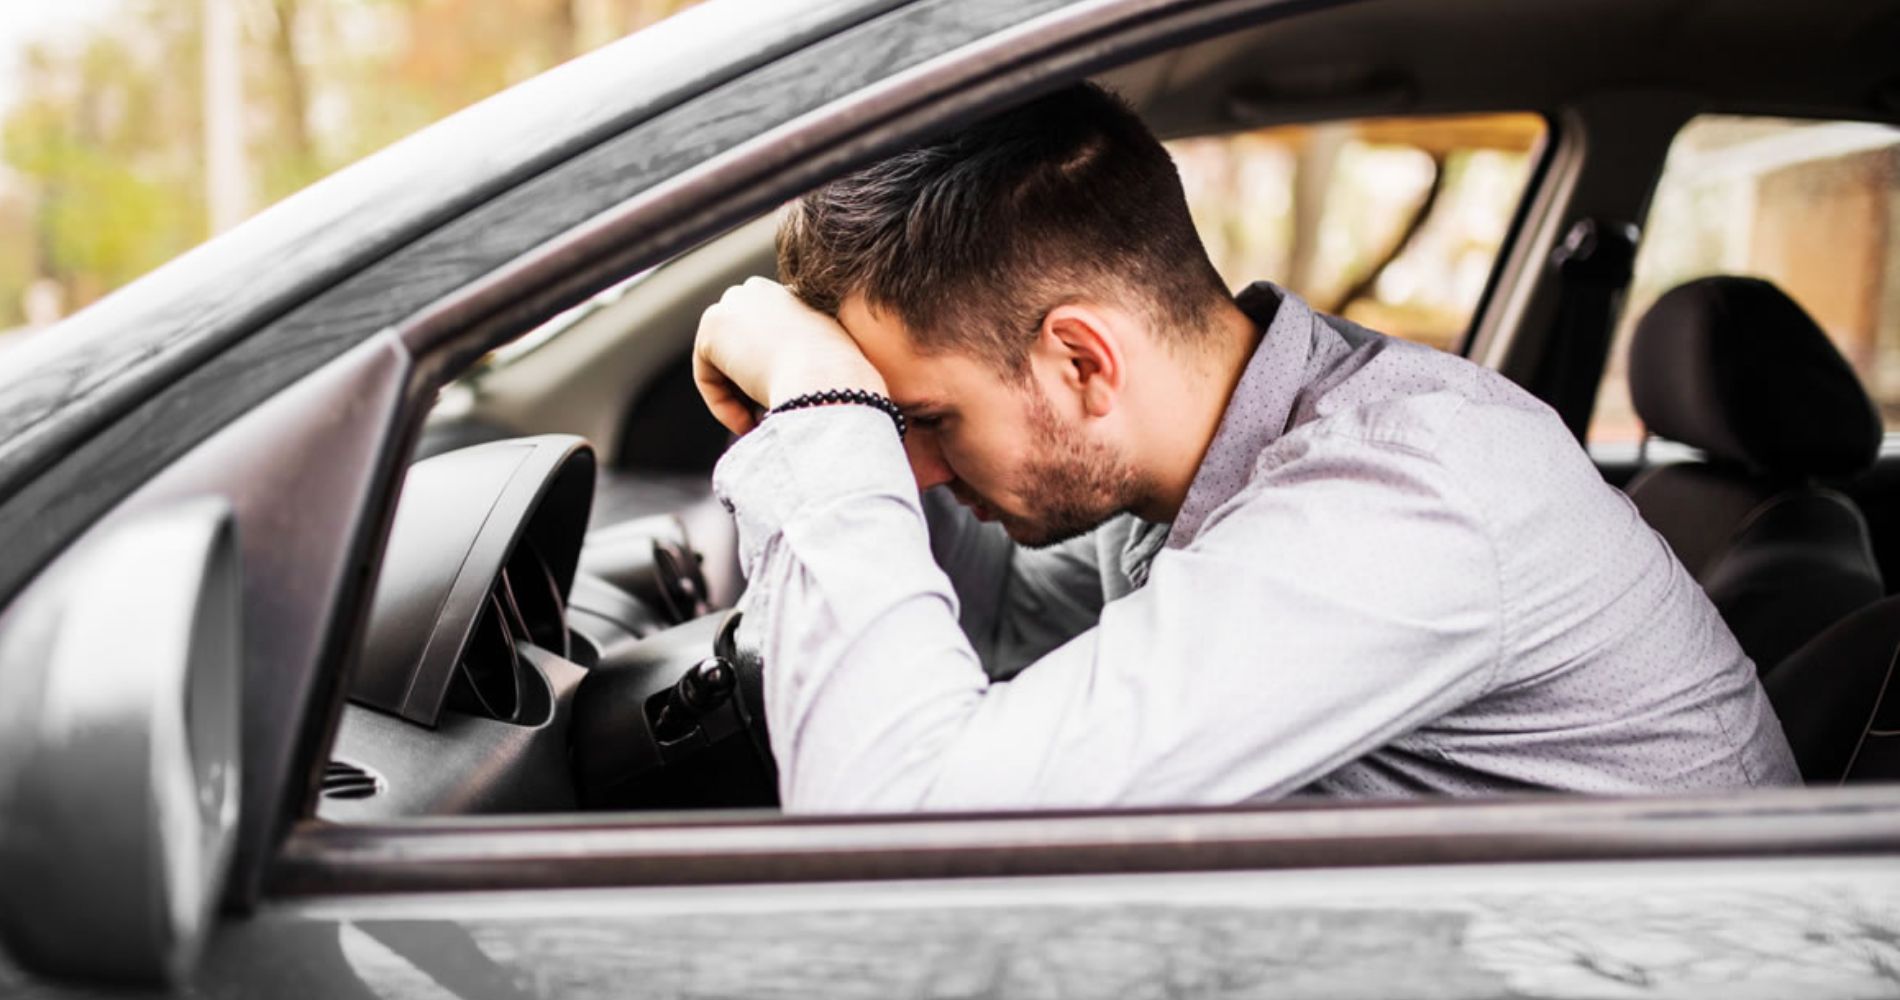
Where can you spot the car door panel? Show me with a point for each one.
(1790, 927)
(295, 521)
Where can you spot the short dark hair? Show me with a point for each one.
(971, 238)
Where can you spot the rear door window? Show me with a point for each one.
(1813, 206)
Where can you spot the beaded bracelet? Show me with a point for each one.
(863, 397)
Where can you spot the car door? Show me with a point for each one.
(226, 372)
(307, 435)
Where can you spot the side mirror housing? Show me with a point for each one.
(120, 673)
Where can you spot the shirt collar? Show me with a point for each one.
(1260, 408)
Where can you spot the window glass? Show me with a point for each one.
(1812, 206)
(1393, 223)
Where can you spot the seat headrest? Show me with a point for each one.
(1735, 367)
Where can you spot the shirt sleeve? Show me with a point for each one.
(1279, 644)
(1017, 603)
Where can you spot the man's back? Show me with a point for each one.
(1574, 652)
(1616, 672)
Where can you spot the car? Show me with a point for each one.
(316, 681)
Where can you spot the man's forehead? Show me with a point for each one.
(874, 329)
(921, 382)
(916, 380)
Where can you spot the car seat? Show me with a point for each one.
(1877, 757)
(1829, 697)
(1734, 367)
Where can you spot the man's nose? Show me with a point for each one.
(926, 459)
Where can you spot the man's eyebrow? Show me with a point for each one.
(919, 407)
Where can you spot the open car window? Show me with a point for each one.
(1396, 223)
(1407, 218)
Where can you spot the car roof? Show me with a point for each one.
(1823, 58)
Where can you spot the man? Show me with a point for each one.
(1244, 550)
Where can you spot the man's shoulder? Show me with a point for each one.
(1409, 418)
(1389, 393)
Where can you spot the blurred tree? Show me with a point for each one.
(286, 151)
(106, 147)
(102, 144)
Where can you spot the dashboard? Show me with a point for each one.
(516, 663)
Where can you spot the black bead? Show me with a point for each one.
(863, 396)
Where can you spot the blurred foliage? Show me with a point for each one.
(104, 152)
(1394, 223)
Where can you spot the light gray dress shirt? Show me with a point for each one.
(1395, 574)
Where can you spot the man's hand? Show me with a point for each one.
(759, 346)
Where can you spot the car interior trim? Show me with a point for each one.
(451, 855)
(1490, 324)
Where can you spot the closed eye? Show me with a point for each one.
(928, 418)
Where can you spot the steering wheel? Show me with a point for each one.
(676, 721)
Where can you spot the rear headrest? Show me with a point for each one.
(1734, 367)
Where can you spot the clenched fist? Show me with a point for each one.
(759, 346)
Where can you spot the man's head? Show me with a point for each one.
(1028, 286)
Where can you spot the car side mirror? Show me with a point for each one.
(120, 674)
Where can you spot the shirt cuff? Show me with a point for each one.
(803, 460)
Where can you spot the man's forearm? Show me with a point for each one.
(868, 674)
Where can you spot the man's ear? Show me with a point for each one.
(1082, 344)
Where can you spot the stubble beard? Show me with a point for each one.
(1070, 487)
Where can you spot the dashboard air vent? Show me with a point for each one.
(523, 607)
(343, 780)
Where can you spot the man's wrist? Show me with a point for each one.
(859, 397)
(795, 384)
(803, 465)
